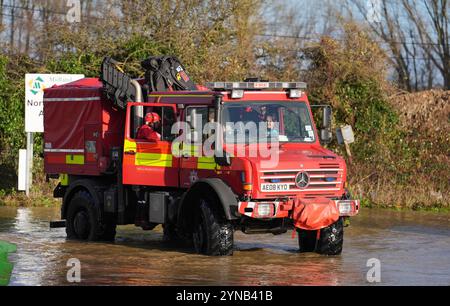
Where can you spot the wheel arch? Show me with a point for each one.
(227, 200)
(88, 185)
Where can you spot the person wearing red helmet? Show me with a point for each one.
(147, 131)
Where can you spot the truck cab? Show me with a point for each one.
(231, 156)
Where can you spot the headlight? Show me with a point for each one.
(347, 207)
(264, 210)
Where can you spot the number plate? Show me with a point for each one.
(274, 187)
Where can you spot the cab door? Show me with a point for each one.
(150, 163)
(194, 163)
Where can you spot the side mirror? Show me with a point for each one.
(326, 118)
(222, 158)
(325, 133)
(325, 136)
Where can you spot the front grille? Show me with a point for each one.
(327, 177)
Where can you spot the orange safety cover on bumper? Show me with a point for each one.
(314, 214)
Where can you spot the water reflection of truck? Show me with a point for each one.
(109, 178)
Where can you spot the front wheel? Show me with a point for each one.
(212, 234)
(307, 240)
(331, 239)
(328, 242)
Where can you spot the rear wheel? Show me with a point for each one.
(83, 222)
(212, 233)
(170, 234)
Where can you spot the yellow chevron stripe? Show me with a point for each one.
(129, 145)
(72, 159)
(206, 162)
(64, 179)
(153, 160)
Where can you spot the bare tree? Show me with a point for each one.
(416, 34)
(434, 36)
(389, 29)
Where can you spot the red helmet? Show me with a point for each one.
(152, 117)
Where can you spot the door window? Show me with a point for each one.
(163, 128)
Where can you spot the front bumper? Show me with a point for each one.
(283, 209)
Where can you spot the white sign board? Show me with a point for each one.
(345, 134)
(34, 96)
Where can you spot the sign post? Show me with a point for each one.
(29, 164)
(22, 171)
(34, 111)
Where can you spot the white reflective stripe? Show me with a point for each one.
(278, 177)
(266, 92)
(258, 92)
(298, 170)
(64, 150)
(96, 98)
(249, 205)
(325, 183)
(253, 204)
(315, 183)
(302, 190)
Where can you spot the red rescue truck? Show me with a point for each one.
(108, 177)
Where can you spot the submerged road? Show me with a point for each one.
(412, 248)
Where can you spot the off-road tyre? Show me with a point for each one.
(84, 223)
(331, 239)
(212, 233)
(306, 240)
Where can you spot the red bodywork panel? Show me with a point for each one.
(80, 128)
(296, 157)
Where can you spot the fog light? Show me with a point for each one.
(264, 210)
(345, 208)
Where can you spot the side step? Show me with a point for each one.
(57, 224)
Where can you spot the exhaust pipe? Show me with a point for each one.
(138, 110)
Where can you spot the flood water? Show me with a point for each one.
(413, 249)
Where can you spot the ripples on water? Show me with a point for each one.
(413, 248)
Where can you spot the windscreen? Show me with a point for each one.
(249, 122)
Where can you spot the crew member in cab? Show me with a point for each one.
(271, 126)
(148, 130)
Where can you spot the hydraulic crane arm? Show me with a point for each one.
(119, 87)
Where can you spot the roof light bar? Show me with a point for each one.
(255, 85)
(237, 94)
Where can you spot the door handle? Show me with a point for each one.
(129, 153)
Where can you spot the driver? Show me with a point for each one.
(147, 131)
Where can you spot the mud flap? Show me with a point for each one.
(314, 214)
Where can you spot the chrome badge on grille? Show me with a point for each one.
(302, 180)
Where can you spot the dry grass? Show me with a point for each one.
(423, 177)
(41, 193)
